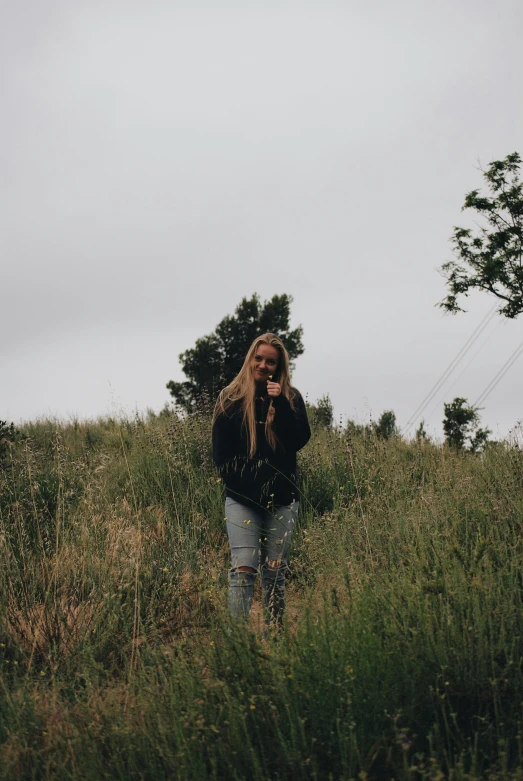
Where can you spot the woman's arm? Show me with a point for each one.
(231, 460)
(291, 425)
(223, 440)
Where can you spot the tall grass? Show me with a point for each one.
(403, 648)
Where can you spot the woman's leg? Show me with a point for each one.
(276, 541)
(243, 530)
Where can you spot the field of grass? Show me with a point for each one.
(403, 649)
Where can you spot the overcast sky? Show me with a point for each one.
(161, 160)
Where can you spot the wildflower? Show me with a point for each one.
(218, 479)
(252, 707)
(165, 569)
(15, 662)
(307, 539)
(42, 673)
(211, 643)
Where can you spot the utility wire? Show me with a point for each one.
(460, 375)
(453, 364)
(499, 376)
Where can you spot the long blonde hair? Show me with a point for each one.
(242, 390)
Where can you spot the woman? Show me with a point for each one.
(259, 424)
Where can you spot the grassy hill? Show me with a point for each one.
(403, 647)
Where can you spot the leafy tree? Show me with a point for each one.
(490, 258)
(386, 427)
(322, 413)
(479, 440)
(354, 429)
(217, 358)
(461, 426)
(421, 433)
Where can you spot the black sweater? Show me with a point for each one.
(270, 477)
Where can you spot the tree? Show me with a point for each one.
(421, 433)
(322, 413)
(490, 258)
(354, 429)
(461, 426)
(386, 427)
(217, 358)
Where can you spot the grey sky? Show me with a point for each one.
(161, 161)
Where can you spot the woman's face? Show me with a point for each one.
(265, 362)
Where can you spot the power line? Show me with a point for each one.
(499, 376)
(460, 375)
(452, 366)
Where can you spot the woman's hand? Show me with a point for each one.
(273, 389)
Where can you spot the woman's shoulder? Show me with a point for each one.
(227, 409)
(293, 397)
(295, 393)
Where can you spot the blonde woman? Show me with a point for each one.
(259, 424)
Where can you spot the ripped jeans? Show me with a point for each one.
(259, 536)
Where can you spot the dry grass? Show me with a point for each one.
(404, 613)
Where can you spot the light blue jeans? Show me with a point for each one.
(259, 539)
